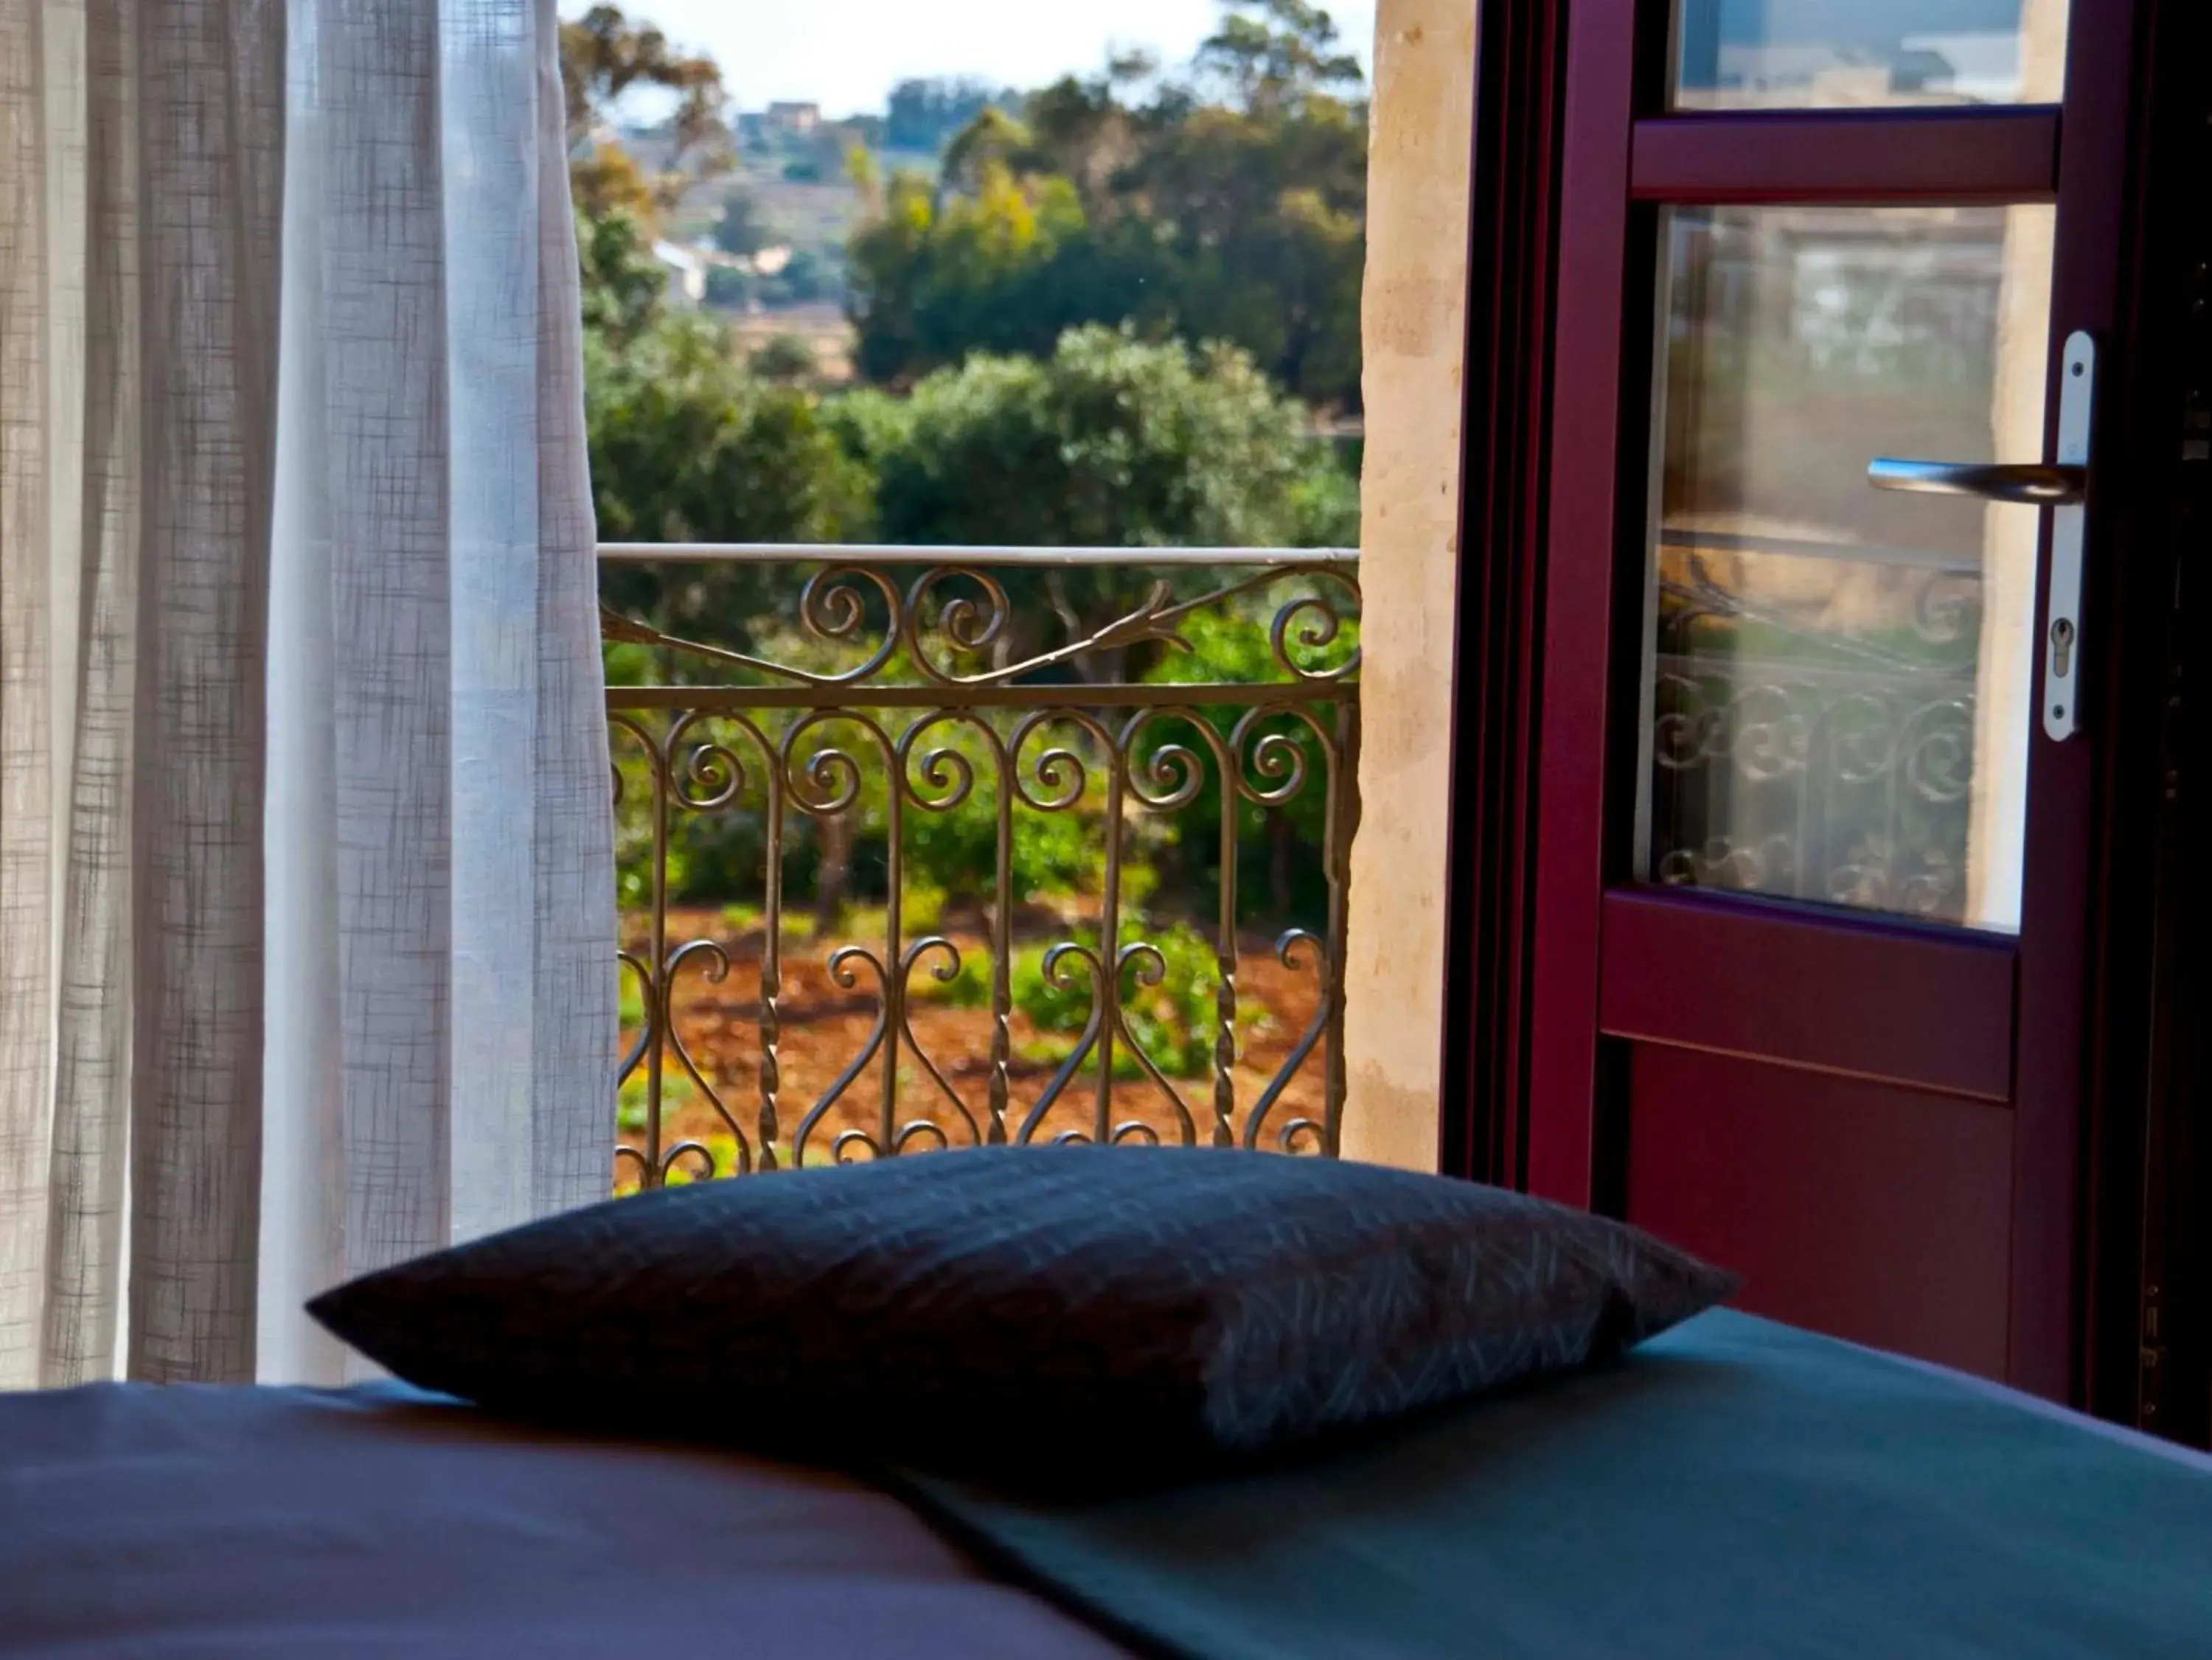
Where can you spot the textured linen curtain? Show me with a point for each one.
(305, 913)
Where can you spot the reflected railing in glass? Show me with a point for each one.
(939, 847)
(1837, 681)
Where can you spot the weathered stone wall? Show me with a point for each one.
(1414, 329)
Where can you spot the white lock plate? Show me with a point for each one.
(2062, 628)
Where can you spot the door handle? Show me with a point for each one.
(2037, 486)
(2063, 486)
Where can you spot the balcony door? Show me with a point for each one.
(1818, 740)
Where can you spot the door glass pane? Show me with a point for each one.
(1840, 54)
(1838, 686)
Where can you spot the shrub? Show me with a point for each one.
(1173, 1021)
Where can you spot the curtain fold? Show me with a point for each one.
(441, 816)
(306, 890)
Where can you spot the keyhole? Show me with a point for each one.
(2061, 647)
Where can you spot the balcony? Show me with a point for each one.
(941, 847)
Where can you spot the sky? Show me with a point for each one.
(846, 55)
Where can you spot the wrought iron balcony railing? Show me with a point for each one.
(1042, 798)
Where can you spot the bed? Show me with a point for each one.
(1736, 1487)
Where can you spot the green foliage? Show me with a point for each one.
(997, 268)
(731, 290)
(605, 55)
(1172, 1021)
(1276, 55)
(743, 229)
(1111, 441)
(924, 114)
(1238, 220)
(634, 1101)
(786, 357)
(969, 988)
(806, 278)
(1094, 326)
(1281, 875)
(686, 445)
(624, 290)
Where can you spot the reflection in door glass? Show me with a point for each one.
(1837, 694)
(1834, 54)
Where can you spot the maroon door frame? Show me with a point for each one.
(1566, 147)
(2151, 1281)
(1615, 158)
(1512, 260)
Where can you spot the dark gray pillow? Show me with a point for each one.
(994, 1310)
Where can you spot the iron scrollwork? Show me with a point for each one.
(1808, 761)
(947, 703)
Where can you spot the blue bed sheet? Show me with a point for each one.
(1736, 1488)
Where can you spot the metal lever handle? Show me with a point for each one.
(2064, 486)
(2035, 486)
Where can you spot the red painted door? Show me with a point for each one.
(1815, 783)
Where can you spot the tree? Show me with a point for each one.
(786, 359)
(1241, 220)
(1081, 130)
(805, 278)
(624, 290)
(687, 447)
(743, 229)
(1113, 441)
(992, 142)
(603, 56)
(1001, 269)
(924, 114)
(1275, 56)
(730, 289)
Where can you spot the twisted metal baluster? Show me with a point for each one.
(894, 962)
(1224, 1037)
(1109, 936)
(657, 955)
(771, 971)
(647, 971)
(1002, 950)
(1280, 769)
(1341, 824)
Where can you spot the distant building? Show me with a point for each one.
(686, 270)
(1971, 67)
(794, 120)
(1981, 68)
(767, 261)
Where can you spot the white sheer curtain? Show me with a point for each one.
(306, 904)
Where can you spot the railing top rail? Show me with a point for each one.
(775, 553)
